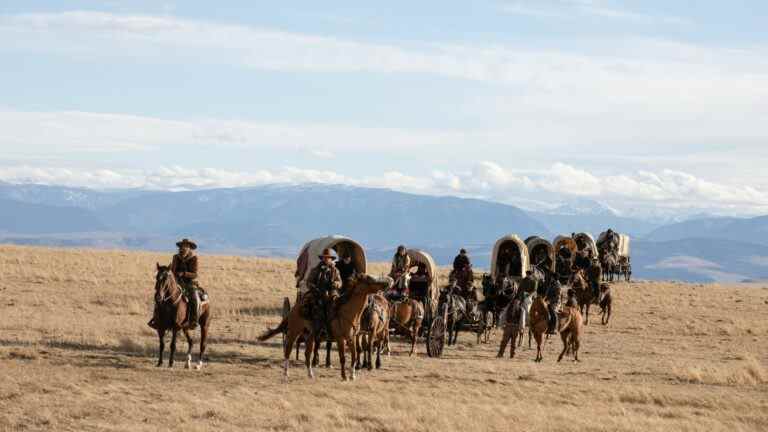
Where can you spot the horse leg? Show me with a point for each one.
(538, 337)
(309, 349)
(203, 339)
(586, 315)
(298, 344)
(328, 346)
(174, 334)
(378, 352)
(564, 335)
(188, 364)
(414, 334)
(575, 349)
(513, 344)
(504, 340)
(161, 336)
(359, 341)
(530, 334)
(354, 353)
(340, 344)
(316, 353)
(293, 334)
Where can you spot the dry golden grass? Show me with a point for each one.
(75, 354)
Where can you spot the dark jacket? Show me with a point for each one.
(184, 268)
(325, 279)
(346, 271)
(529, 284)
(460, 262)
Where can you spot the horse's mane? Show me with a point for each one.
(167, 284)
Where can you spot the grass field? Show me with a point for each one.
(76, 354)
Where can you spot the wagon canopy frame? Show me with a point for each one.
(535, 243)
(419, 256)
(522, 251)
(308, 256)
(588, 240)
(623, 242)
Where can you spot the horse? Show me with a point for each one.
(374, 330)
(514, 323)
(172, 315)
(610, 266)
(539, 323)
(343, 324)
(606, 303)
(570, 329)
(584, 293)
(459, 314)
(406, 317)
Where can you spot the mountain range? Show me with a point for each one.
(276, 220)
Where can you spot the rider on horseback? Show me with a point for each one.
(324, 283)
(184, 269)
(400, 273)
(552, 294)
(595, 275)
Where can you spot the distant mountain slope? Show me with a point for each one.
(24, 218)
(289, 215)
(754, 230)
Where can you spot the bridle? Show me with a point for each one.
(167, 282)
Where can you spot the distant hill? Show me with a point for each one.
(754, 230)
(276, 220)
(24, 218)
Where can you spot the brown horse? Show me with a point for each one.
(374, 331)
(406, 316)
(570, 329)
(172, 315)
(583, 293)
(539, 321)
(343, 325)
(606, 303)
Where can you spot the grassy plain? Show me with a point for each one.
(76, 354)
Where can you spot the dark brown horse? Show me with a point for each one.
(584, 293)
(172, 315)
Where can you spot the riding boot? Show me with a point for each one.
(194, 305)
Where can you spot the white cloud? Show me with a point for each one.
(574, 9)
(643, 191)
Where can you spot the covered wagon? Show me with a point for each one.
(509, 258)
(541, 253)
(614, 254)
(309, 256)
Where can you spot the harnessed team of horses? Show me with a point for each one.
(522, 293)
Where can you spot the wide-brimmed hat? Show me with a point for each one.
(192, 245)
(327, 253)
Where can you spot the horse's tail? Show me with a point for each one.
(270, 333)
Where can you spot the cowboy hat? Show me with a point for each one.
(327, 253)
(192, 245)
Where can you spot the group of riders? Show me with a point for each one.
(328, 280)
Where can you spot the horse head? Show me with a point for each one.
(365, 284)
(165, 283)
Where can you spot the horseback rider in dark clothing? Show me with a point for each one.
(324, 283)
(184, 269)
(461, 262)
(553, 301)
(595, 276)
(528, 284)
(347, 269)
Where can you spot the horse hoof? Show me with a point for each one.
(198, 366)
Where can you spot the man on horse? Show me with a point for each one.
(399, 272)
(552, 294)
(595, 275)
(323, 283)
(462, 270)
(347, 269)
(184, 269)
(528, 284)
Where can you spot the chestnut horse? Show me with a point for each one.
(374, 331)
(406, 317)
(343, 325)
(570, 328)
(539, 322)
(172, 315)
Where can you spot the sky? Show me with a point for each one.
(651, 107)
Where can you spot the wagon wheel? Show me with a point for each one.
(286, 311)
(436, 336)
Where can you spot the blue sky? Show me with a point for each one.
(651, 107)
